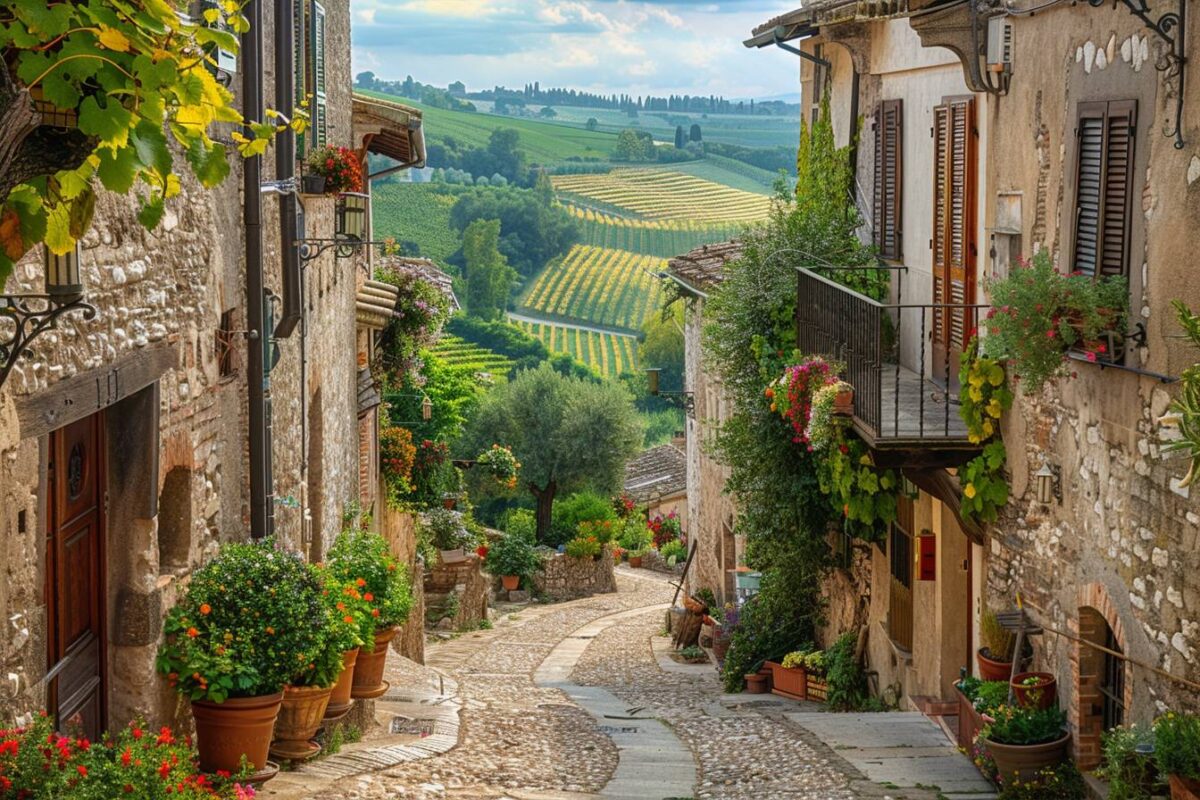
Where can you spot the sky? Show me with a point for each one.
(623, 46)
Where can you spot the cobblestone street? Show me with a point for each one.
(523, 739)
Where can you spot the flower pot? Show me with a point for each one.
(449, 502)
(756, 683)
(300, 715)
(990, 669)
(791, 682)
(312, 184)
(635, 562)
(510, 582)
(816, 687)
(1184, 788)
(238, 727)
(843, 403)
(694, 606)
(368, 672)
(340, 701)
(1043, 694)
(970, 721)
(1024, 761)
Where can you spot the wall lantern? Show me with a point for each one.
(31, 314)
(684, 400)
(352, 216)
(349, 230)
(426, 409)
(1047, 484)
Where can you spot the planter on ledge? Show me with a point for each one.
(312, 184)
(300, 716)
(1042, 694)
(368, 672)
(990, 669)
(788, 682)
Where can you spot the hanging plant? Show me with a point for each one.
(791, 395)
(983, 398)
(397, 454)
(823, 414)
(501, 464)
(1185, 410)
(339, 166)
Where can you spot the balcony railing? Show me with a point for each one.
(904, 377)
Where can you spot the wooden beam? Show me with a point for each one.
(946, 488)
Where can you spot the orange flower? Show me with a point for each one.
(193, 633)
(374, 612)
(349, 620)
(270, 630)
(360, 583)
(368, 597)
(341, 606)
(205, 609)
(391, 567)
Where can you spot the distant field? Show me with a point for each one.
(732, 173)
(661, 238)
(594, 284)
(662, 194)
(417, 212)
(748, 131)
(468, 355)
(607, 353)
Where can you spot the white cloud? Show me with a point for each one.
(642, 69)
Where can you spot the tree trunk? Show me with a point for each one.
(545, 508)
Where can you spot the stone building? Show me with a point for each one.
(710, 512)
(986, 133)
(124, 460)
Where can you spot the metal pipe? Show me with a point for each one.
(252, 108)
(285, 168)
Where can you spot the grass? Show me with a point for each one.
(663, 195)
(607, 353)
(600, 285)
(417, 212)
(741, 129)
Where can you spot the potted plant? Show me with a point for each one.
(1129, 765)
(1035, 689)
(338, 166)
(1177, 752)
(361, 561)
(789, 679)
(1024, 741)
(512, 558)
(636, 556)
(996, 655)
(977, 700)
(501, 464)
(232, 643)
(584, 547)
(816, 687)
(1038, 313)
(673, 552)
(756, 683)
(448, 533)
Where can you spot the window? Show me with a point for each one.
(900, 556)
(225, 345)
(888, 159)
(1112, 686)
(953, 240)
(310, 72)
(1103, 187)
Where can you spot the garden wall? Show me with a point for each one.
(565, 578)
(652, 560)
(400, 531)
(458, 592)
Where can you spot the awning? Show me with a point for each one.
(389, 129)
(375, 304)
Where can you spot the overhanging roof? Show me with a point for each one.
(704, 267)
(806, 21)
(389, 129)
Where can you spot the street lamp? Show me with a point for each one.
(31, 314)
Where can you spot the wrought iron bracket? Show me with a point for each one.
(684, 400)
(1171, 28)
(344, 247)
(32, 315)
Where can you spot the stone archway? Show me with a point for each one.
(1101, 682)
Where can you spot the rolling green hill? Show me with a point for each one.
(417, 212)
(741, 129)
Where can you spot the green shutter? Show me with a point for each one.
(320, 117)
(300, 65)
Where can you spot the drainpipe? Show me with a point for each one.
(256, 376)
(285, 167)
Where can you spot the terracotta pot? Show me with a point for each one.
(239, 726)
(301, 714)
(970, 722)
(368, 672)
(449, 503)
(721, 646)
(1043, 694)
(694, 606)
(789, 682)
(991, 669)
(1024, 761)
(756, 683)
(510, 582)
(1184, 788)
(339, 701)
(635, 562)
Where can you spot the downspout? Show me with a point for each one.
(252, 90)
(285, 168)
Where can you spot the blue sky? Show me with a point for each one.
(633, 46)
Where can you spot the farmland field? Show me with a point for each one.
(662, 238)
(763, 130)
(417, 212)
(460, 353)
(662, 194)
(608, 353)
(595, 284)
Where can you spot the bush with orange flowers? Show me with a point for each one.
(250, 621)
(397, 454)
(38, 762)
(339, 166)
(362, 560)
(348, 621)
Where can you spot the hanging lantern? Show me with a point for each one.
(63, 281)
(652, 376)
(426, 409)
(1045, 484)
(352, 216)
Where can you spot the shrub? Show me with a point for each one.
(634, 534)
(1060, 782)
(583, 547)
(1131, 775)
(362, 562)
(446, 529)
(577, 508)
(512, 555)
(1021, 726)
(521, 522)
(248, 619)
(501, 464)
(1177, 744)
(36, 762)
(602, 529)
(396, 458)
(348, 624)
(844, 674)
(673, 551)
(665, 529)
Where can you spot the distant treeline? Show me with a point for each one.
(712, 104)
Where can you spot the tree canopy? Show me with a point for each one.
(532, 230)
(489, 277)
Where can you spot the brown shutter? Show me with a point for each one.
(1104, 186)
(888, 175)
(954, 218)
(941, 191)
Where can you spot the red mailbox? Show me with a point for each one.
(927, 564)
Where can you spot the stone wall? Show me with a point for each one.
(464, 581)
(565, 578)
(399, 528)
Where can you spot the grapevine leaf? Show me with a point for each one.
(58, 229)
(82, 209)
(60, 91)
(151, 145)
(208, 162)
(113, 39)
(110, 124)
(118, 169)
(151, 211)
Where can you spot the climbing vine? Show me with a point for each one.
(119, 85)
(860, 493)
(984, 396)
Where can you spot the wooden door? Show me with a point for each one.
(953, 241)
(75, 597)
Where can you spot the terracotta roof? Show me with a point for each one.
(375, 304)
(426, 270)
(660, 470)
(814, 13)
(390, 129)
(704, 267)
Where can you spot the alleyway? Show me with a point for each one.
(559, 702)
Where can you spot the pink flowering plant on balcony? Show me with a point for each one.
(792, 395)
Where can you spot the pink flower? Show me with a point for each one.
(1050, 333)
(1091, 357)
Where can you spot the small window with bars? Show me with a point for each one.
(226, 352)
(1112, 686)
(1105, 135)
(886, 208)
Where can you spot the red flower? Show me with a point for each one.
(82, 770)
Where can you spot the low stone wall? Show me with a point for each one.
(565, 578)
(463, 585)
(652, 560)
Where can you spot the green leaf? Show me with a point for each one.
(208, 162)
(151, 145)
(118, 169)
(151, 211)
(109, 123)
(58, 229)
(81, 212)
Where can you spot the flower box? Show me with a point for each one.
(970, 721)
(787, 682)
(817, 688)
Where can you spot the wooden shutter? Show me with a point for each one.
(320, 118)
(1104, 186)
(953, 238)
(300, 66)
(888, 160)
